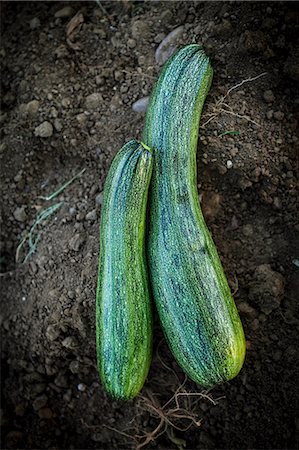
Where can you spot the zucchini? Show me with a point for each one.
(123, 310)
(193, 299)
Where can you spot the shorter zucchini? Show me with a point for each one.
(123, 310)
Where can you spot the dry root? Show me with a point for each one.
(221, 107)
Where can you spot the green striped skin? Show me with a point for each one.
(123, 310)
(194, 302)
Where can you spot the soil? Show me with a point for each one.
(67, 106)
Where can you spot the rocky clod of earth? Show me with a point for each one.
(267, 288)
(44, 130)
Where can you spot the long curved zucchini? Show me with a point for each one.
(194, 302)
(123, 311)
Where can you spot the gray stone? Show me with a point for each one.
(52, 332)
(141, 104)
(70, 342)
(58, 125)
(20, 214)
(93, 101)
(99, 198)
(32, 107)
(44, 130)
(81, 118)
(131, 43)
(76, 242)
(168, 45)
(74, 366)
(81, 387)
(247, 230)
(91, 216)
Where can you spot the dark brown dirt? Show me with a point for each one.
(51, 395)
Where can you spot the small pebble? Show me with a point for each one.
(76, 242)
(247, 230)
(70, 342)
(44, 130)
(65, 103)
(229, 164)
(168, 45)
(81, 387)
(52, 332)
(93, 101)
(141, 105)
(99, 198)
(32, 107)
(20, 214)
(92, 215)
(58, 125)
(81, 118)
(131, 43)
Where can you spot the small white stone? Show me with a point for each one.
(229, 164)
(141, 105)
